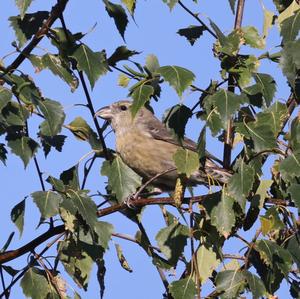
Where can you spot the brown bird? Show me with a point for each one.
(147, 146)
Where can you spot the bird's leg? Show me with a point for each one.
(129, 201)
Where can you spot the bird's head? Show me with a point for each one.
(120, 117)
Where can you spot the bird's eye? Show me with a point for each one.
(123, 107)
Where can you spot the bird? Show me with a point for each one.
(147, 146)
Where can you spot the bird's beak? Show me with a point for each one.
(105, 113)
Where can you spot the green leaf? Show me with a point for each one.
(252, 37)
(231, 282)
(287, 11)
(271, 222)
(207, 262)
(80, 128)
(103, 231)
(79, 202)
(52, 141)
(221, 37)
(140, 95)
(294, 249)
(76, 261)
(17, 215)
(123, 262)
(191, 33)
(123, 80)
(93, 64)
(176, 119)
(14, 114)
(118, 13)
(274, 255)
(267, 85)
(35, 284)
(5, 97)
(295, 134)
(222, 213)
(290, 167)
(26, 27)
(281, 5)
(183, 289)
(224, 103)
(152, 63)
(294, 190)
(22, 146)
(69, 178)
(229, 44)
(171, 240)
(56, 184)
(171, 3)
(122, 180)
(261, 132)
(57, 67)
(268, 21)
(23, 5)
(290, 61)
(276, 115)
(255, 284)
(121, 53)
(179, 78)
(232, 5)
(257, 203)
(25, 88)
(290, 27)
(186, 161)
(47, 202)
(130, 5)
(54, 117)
(201, 143)
(241, 182)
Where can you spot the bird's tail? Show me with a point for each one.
(216, 173)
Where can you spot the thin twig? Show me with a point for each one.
(51, 278)
(87, 171)
(32, 262)
(229, 135)
(252, 244)
(6, 294)
(142, 188)
(194, 15)
(92, 111)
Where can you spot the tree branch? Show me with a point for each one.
(32, 262)
(55, 13)
(229, 133)
(138, 203)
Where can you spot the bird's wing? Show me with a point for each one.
(160, 132)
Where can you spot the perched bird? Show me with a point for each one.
(147, 146)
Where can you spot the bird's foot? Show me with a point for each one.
(129, 202)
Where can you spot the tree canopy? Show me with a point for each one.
(223, 241)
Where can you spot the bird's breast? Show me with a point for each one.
(144, 154)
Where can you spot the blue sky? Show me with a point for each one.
(153, 33)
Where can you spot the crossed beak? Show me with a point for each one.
(105, 113)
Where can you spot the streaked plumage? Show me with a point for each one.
(146, 145)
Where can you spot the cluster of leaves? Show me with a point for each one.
(257, 121)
